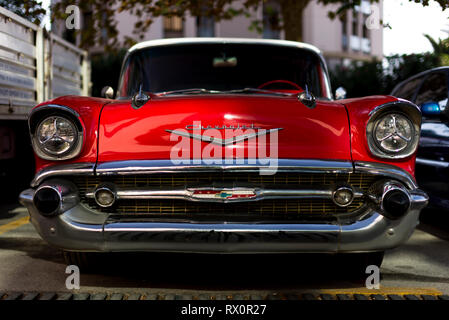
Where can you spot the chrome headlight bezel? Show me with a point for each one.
(401, 108)
(63, 114)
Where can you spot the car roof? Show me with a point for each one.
(175, 41)
(423, 73)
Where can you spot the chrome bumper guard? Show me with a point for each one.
(81, 229)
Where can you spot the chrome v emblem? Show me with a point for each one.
(223, 142)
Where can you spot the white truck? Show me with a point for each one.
(35, 66)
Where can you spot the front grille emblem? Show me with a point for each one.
(237, 194)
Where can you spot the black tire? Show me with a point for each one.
(85, 261)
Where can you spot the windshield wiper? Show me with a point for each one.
(188, 91)
(255, 91)
(207, 91)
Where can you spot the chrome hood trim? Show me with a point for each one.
(241, 165)
(166, 166)
(63, 170)
(387, 170)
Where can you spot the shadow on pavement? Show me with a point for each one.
(223, 272)
(435, 222)
(198, 271)
(10, 210)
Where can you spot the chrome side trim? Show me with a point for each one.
(63, 170)
(387, 170)
(432, 163)
(241, 165)
(259, 194)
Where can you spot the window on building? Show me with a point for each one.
(365, 30)
(344, 31)
(355, 23)
(271, 11)
(366, 42)
(355, 40)
(173, 27)
(205, 26)
(365, 7)
(104, 31)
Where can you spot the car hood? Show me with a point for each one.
(146, 133)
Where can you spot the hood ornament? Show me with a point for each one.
(307, 98)
(223, 142)
(139, 99)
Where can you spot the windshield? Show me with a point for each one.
(223, 67)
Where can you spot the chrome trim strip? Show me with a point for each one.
(84, 168)
(260, 194)
(247, 165)
(166, 166)
(52, 107)
(419, 199)
(388, 171)
(217, 227)
(26, 197)
(399, 101)
(432, 163)
(177, 41)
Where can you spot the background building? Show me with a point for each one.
(341, 40)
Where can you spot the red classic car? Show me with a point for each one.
(224, 146)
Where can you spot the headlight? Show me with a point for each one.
(57, 138)
(393, 130)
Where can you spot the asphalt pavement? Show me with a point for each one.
(28, 264)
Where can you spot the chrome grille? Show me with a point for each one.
(269, 208)
(278, 208)
(166, 180)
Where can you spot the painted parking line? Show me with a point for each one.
(14, 224)
(206, 296)
(385, 291)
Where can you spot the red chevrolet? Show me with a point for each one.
(224, 146)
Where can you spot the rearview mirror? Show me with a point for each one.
(107, 92)
(430, 109)
(340, 93)
(225, 62)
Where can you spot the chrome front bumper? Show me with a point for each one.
(81, 229)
